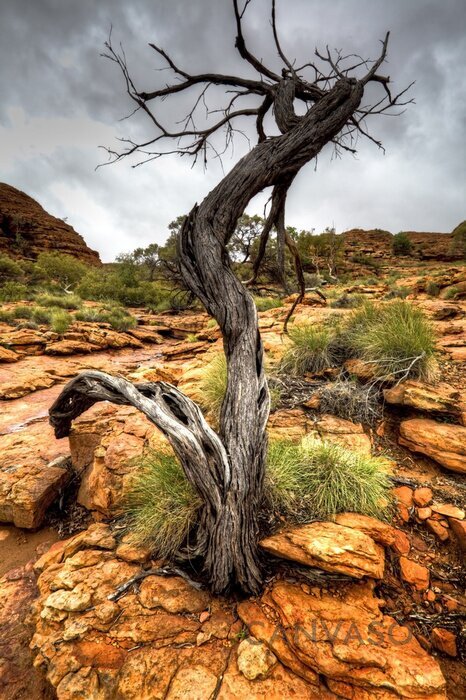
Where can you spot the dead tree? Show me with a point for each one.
(227, 468)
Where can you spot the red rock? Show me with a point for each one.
(7, 355)
(381, 532)
(459, 529)
(415, 574)
(443, 442)
(423, 513)
(444, 641)
(439, 398)
(437, 529)
(422, 496)
(404, 495)
(40, 232)
(448, 510)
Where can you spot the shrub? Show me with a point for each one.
(266, 303)
(450, 293)
(116, 316)
(120, 320)
(367, 261)
(192, 338)
(396, 339)
(160, 506)
(310, 350)
(347, 301)
(65, 301)
(9, 269)
(60, 321)
(61, 268)
(42, 316)
(347, 399)
(401, 244)
(22, 312)
(432, 289)
(398, 293)
(6, 317)
(13, 291)
(213, 385)
(316, 479)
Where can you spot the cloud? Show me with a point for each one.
(61, 101)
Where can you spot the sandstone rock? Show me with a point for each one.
(70, 601)
(423, 513)
(404, 494)
(255, 660)
(440, 399)
(39, 231)
(70, 347)
(423, 496)
(28, 481)
(443, 442)
(383, 533)
(8, 355)
(448, 510)
(437, 529)
(414, 574)
(351, 435)
(459, 529)
(335, 636)
(173, 594)
(330, 547)
(18, 677)
(444, 641)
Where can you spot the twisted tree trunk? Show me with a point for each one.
(227, 470)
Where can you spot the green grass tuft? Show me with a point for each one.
(396, 339)
(67, 301)
(266, 303)
(160, 506)
(317, 479)
(60, 321)
(213, 385)
(310, 350)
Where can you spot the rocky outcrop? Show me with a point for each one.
(26, 230)
(330, 547)
(378, 244)
(32, 475)
(444, 443)
(344, 637)
(166, 638)
(438, 399)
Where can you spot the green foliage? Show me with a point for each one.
(400, 292)
(192, 338)
(266, 303)
(13, 291)
(60, 321)
(347, 301)
(401, 244)
(395, 338)
(317, 480)
(310, 350)
(367, 261)
(63, 301)
(7, 317)
(42, 316)
(60, 268)
(23, 312)
(116, 316)
(213, 385)
(160, 506)
(450, 293)
(432, 289)
(9, 269)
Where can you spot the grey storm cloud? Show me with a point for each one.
(61, 101)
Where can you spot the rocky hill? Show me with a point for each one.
(26, 229)
(378, 243)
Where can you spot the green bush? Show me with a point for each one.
(13, 291)
(266, 303)
(401, 244)
(160, 506)
(310, 350)
(116, 316)
(61, 268)
(316, 479)
(396, 339)
(9, 269)
(367, 261)
(432, 289)
(60, 321)
(7, 317)
(450, 293)
(23, 312)
(65, 301)
(42, 316)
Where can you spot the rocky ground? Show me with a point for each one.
(352, 609)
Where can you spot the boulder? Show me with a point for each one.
(7, 355)
(31, 478)
(415, 574)
(330, 547)
(255, 660)
(438, 399)
(343, 636)
(381, 532)
(443, 442)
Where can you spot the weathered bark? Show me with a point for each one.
(227, 470)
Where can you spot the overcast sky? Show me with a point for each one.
(60, 101)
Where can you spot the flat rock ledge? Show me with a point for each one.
(166, 639)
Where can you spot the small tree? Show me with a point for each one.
(62, 269)
(226, 469)
(401, 244)
(9, 269)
